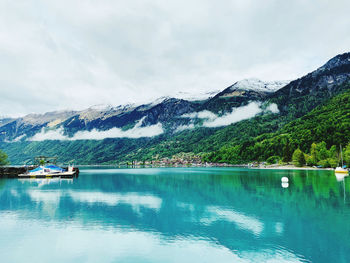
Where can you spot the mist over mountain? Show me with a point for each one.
(238, 113)
(242, 100)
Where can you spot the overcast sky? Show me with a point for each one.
(62, 54)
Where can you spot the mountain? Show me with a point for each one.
(241, 93)
(196, 96)
(328, 123)
(302, 95)
(14, 129)
(233, 126)
(165, 114)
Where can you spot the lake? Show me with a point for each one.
(177, 215)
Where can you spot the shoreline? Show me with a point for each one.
(292, 167)
(208, 165)
(267, 167)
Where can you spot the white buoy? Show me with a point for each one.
(284, 179)
(285, 185)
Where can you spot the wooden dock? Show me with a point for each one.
(14, 171)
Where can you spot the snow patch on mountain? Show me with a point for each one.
(195, 96)
(101, 107)
(157, 101)
(254, 84)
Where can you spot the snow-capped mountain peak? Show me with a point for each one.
(254, 84)
(195, 96)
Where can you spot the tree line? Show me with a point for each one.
(3, 158)
(319, 155)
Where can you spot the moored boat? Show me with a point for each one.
(341, 169)
(49, 171)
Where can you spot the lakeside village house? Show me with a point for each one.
(182, 160)
(175, 161)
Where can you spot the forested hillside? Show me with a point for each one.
(249, 121)
(255, 139)
(329, 123)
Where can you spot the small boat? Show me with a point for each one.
(49, 171)
(341, 169)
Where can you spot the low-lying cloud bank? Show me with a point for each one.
(136, 132)
(238, 114)
(49, 135)
(209, 118)
(200, 115)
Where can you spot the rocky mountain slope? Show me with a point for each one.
(237, 115)
(302, 95)
(169, 113)
(242, 92)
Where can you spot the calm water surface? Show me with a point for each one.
(176, 215)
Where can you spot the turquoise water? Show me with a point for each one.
(176, 215)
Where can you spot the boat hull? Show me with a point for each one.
(341, 172)
(49, 175)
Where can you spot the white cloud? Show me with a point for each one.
(185, 127)
(94, 241)
(201, 115)
(273, 108)
(19, 138)
(49, 135)
(136, 132)
(243, 221)
(45, 196)
(68, 54)
(112, 199)
(237, 114)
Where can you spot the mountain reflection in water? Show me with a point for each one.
(176, 215)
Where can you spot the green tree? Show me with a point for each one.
(273, 159)
(333, 162)
(298, 158)
(287, 153)
(332, 153)
(313, 155)
(346, 154)
(3, 158)
(321, 151)
(333, 157)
